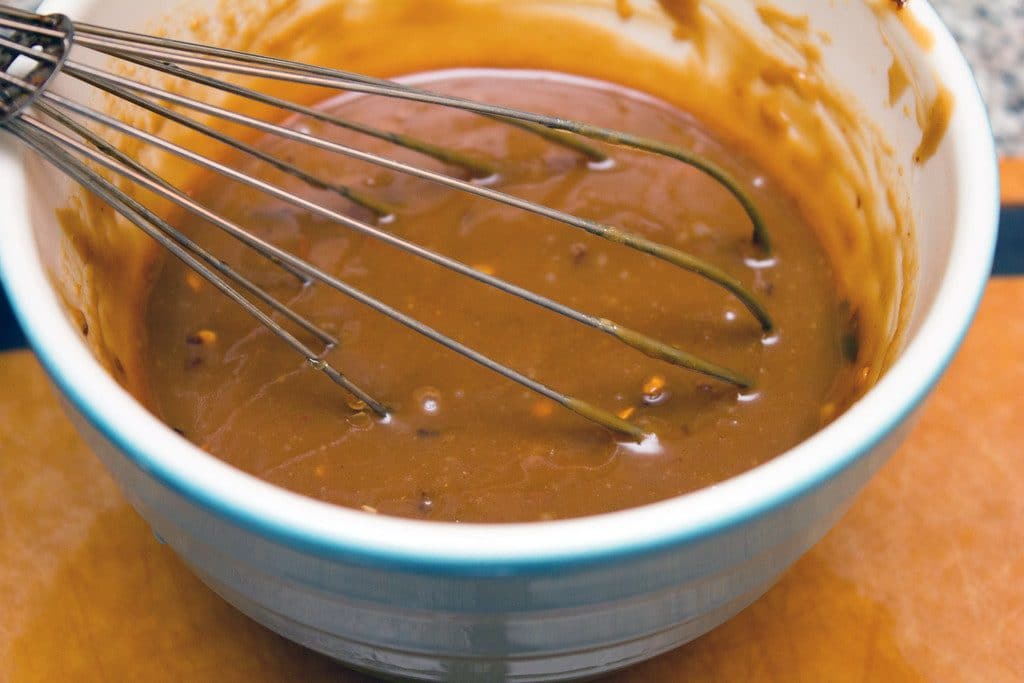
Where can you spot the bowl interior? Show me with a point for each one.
(951, 201)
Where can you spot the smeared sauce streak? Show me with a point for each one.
(796, 28)
(921, 35)
(934, 124)
(686, 14)
(772, 15)
(934, 110)
(899, 81)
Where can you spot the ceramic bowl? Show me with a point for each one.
(552, 599)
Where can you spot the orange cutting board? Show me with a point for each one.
(920, 581)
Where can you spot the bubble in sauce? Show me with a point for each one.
(654, 391)
(360, 420)
(428, 399)
(355, 403)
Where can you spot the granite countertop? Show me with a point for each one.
(991, 34)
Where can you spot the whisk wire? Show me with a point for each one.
(127, 37)
(675, 256)
(285, 70)
(633, 338)
(36, 136)
(75, 147)
(179, 237)
(576, 405)
(378, 208)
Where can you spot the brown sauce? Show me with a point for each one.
(899, 81)
(934, 124)
(465, 444)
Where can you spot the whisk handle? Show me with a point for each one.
(45, 40)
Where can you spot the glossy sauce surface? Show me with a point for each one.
(465, 444)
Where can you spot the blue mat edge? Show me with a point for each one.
(1009, 260)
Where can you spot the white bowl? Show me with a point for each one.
(536, 601)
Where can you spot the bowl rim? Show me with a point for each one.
(337, 533)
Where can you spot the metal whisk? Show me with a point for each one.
(35, 48)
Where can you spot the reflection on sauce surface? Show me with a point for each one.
(464, 443)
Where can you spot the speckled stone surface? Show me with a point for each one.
(991, 34)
